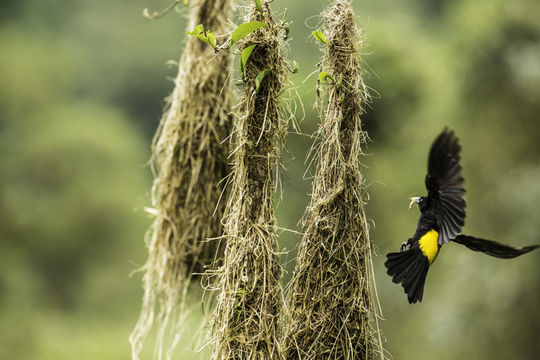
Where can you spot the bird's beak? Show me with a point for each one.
(414, 201)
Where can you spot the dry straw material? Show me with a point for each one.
(190, 159)
(330, 299)
(246, 322)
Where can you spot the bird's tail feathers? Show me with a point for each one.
(493, 248)
(410, 268)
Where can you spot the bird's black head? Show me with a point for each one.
(421, 201)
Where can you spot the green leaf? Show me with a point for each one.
(211, 40)
(244, 30)
(199, 29)
(260, 77)
(259, 5)
(319, 35)
(246, 53)
(324, 76)
(207, 38)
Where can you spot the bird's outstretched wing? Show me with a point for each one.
(444, 184)
(493, 248)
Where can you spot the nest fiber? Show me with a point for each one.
(330, 299)
(190, 159)
(246, 323)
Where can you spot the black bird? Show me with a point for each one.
(441, 219)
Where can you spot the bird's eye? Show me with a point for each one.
(420, 200)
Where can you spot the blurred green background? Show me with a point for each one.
(81, 91)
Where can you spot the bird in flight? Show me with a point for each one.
(442, 215)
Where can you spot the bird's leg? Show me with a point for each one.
(405, 245)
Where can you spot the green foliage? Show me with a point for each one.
(72, 175)
(260, 77)
(259, 5)
(320, 36)
(238, 34)
(244, 30)
(246, 53)
(205, 36)
(326, 78)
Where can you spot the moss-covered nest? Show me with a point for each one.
(246, 323)
(330, 299)
(191, 165)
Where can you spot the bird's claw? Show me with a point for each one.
(406, 245)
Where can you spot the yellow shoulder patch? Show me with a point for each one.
(429, 246)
